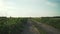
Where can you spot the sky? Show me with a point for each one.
(29, 8)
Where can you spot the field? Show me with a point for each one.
(53, 21)
(17, 25)
(12, 25)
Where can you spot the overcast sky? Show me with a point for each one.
(27, 8)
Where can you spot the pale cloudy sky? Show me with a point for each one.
(27, 8)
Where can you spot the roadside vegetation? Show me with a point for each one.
(12, 25)
(53, 21)
(39, 28)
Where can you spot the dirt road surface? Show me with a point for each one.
(30, 29)
(47, 28)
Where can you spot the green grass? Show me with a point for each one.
(39, 28)
(55, 22)
(12, 25)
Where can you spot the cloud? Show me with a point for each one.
(51, 4)
(26, 7)
(1, 5)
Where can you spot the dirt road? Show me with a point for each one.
(48, 29)
(30, 29)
